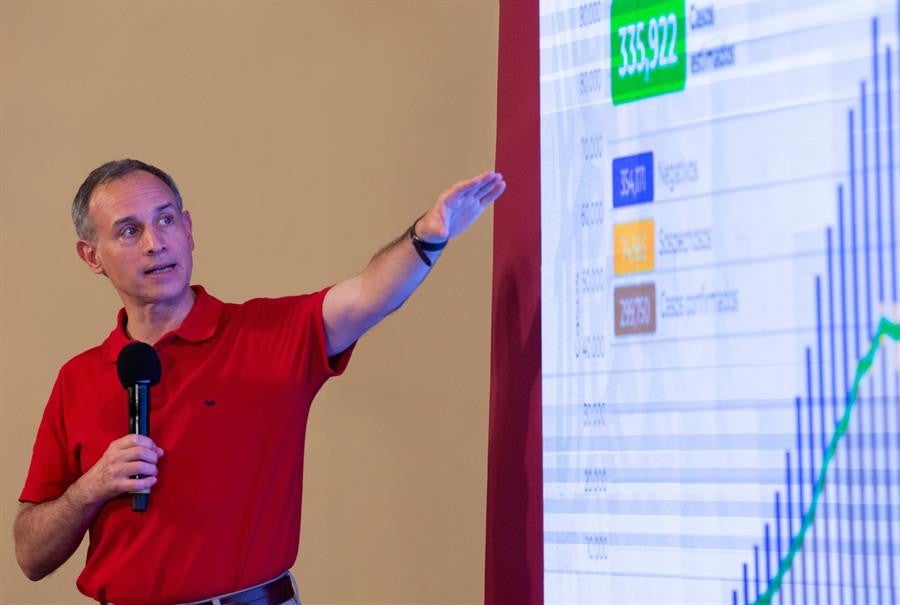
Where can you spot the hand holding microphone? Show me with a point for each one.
(139, 368)
(129, 463)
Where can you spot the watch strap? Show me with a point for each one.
(422, 247)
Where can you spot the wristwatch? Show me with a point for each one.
(422, 246)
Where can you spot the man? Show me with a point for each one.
(228, 417)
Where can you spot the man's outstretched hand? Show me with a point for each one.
(354, 305)
(460, 206)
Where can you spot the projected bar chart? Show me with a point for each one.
(833, 422)
(721, 382)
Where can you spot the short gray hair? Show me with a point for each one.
(106, 173)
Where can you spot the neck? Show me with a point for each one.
(148, 322)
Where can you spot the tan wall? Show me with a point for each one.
(304, 136)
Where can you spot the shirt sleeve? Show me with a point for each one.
(292, 337)
(53, 465)
(315, 327)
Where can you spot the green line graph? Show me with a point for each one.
(886, 328)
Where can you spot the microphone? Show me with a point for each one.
(139, 369)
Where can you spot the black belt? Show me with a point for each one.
(275, 592)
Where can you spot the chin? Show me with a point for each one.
(163, 293)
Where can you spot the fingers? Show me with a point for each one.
(461, 205)
(490, 190)
(461, 189)
(485, 182)
(136, 485)
(473, 185)
(128, 465)
(475, 188)
(491, 196)
(130, 486)
(139, 468)
(135, 440)
(135, 447)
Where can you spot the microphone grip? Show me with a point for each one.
(139, 502)
(139, 423)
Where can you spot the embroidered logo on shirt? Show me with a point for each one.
(209, 402)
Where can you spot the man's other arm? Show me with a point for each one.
(47, 534)
(354, 306)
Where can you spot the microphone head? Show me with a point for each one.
(138, 362)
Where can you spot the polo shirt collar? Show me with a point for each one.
(200, 324)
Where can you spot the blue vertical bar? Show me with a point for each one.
(877, 137)
(768, 546)
(874, 401)
(854, 248)
(888, 483)
(863, 335)
(857, 329)
(826, 518)
(734, 600)
(880, 495)
(861, 493)
(864, 173)
(880, 243)
(746, 587)
(882, 396)
(800, 508)
(756, 569)
(888, 53)
(790, 521)
(890, 172)
(877, 399)
(778, 550)
(834, 410)
(894, 295)
(892, 226)
(811, 437)
(845, 332)
(895, 562)
(829, 252)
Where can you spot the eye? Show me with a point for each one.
(129, 231)
(166, 219)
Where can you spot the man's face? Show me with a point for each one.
(142, 243)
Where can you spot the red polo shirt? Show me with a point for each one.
(230, 413)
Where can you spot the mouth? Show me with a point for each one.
(160, 269)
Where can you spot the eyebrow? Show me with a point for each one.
(131, 218)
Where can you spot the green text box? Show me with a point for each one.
(647, 48)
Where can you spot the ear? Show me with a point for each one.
(188, 226)
(87, 251)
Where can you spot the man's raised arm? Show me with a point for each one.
(353, 306)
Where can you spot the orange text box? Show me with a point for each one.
(633, 247)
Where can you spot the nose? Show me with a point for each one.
(153, 241)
